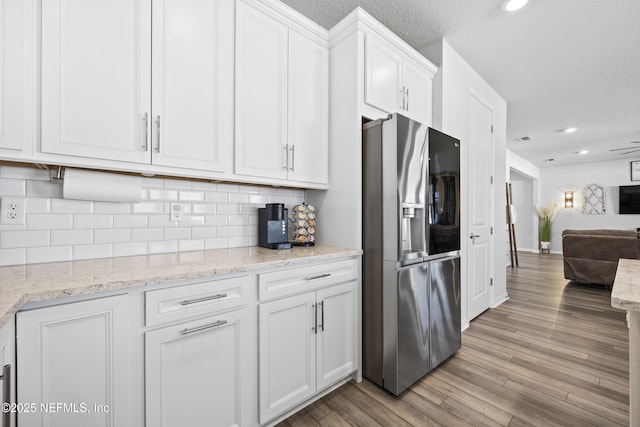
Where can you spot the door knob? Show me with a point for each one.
(473, 235)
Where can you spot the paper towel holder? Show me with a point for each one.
(58, 177)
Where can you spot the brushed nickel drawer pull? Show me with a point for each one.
(6, 393)
(209, 298)
(320, 276)
(203, 328)
(314, 328)
(322, 316)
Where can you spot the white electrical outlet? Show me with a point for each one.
(12, 210)
(177, 212)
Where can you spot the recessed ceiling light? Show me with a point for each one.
(569, 130)
(551, 159)
(583, 152)
(513, 5)
(524, 138)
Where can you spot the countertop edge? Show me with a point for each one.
(625, 294)
(100, 286)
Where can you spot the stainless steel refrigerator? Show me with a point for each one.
(411, 241)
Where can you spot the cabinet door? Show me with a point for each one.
(337, 334)
(76, 354)
(8, 357)
(11, 51)
(287, 347)
(417, 84)
(308, 110)
(192, 120)
(193, 372)
(383, 75)
(96, 75)
(261, 94)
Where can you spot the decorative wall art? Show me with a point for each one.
(635, 171)
(594, 198)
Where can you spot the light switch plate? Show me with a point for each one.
(176, 212)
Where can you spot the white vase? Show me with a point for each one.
(545, 245)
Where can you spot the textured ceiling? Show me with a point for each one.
(558, 64)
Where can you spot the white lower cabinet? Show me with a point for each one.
(76, 364)
(7, 372)
(307, 342)
(194, 372)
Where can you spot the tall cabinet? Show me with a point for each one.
(281, 111)
(99, 76)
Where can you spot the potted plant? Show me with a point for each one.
(546, 215)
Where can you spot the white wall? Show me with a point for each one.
(216, 216)
(558, 179)
(452, 87)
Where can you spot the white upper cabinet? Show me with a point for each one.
(394, 83)
(192, 83)
(261, 94)
(96, 78)
(11, 75)
(308, 110)
(97, 81)
(282, 83)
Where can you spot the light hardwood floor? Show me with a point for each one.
(555, 354)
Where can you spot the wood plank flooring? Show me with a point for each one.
(555, 354)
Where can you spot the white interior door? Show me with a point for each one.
(480, 256)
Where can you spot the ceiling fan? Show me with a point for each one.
(627, 150)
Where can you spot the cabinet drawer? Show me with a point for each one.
(288, 282)
(181, 302)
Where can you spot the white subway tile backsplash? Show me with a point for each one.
(215, 197)
(24, 173)
(146, 234)
(163, 247)
(92, 221)
(218, 243)
(49, 254)
(217, 215)
(71, 206)
(202, 185)
(71, 237)
(24, 239)
(237, 242)
(228, 231)
(128, 249)
(148, 207)
(13, 187)
(215, 220)
(191, 196)
(203, 208)
(204, 232)
(43, 189)
(129, 221)
(13, 256)
(238, 198)
(193, 221)
(92, 251)
(120, 235)
(190, 245)
(177, 233)
(49, 221)
(112, 208)
(162, 194)
(228, 188)
(228, 208)
(177, 183)
(37, 205)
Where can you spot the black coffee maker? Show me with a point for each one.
(273, 226)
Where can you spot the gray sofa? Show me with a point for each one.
(591, 256)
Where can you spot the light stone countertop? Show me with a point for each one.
(625, 294)
(38, 282)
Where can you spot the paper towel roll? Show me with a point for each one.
(101, 186)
